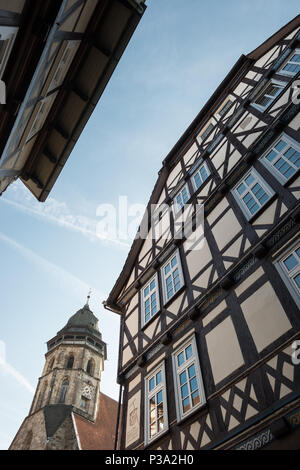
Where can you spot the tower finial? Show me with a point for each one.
(88, 297)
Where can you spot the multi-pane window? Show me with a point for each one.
(172, 277)
(181, 198)
(289, 269)
(156, 418)
(269, 94)
(283, 159)
(292, 66)
(150, 300)
(206, 132)
(200, 176)
(252, 193)
(188, 379)
(225, 108)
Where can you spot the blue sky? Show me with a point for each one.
(179, 54)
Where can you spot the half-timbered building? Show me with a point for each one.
(56, 58)
(210, 320)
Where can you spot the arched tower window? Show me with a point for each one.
(90, 367)
(63, 391)
(70, 362)
(27, 440)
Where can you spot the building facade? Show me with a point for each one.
(68, 411)
(210, 319)
(56, 58)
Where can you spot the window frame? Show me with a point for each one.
(286, 73)
(165, 276)
(270, 166)
(8, 33)
(287, 276)
(144, 299)
(203, 164)
(177, 370)
(239, 198)
(262, 93)
(148, 395)
(177, 207)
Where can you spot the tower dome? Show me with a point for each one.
(83, 318)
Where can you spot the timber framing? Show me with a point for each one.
(232, 302)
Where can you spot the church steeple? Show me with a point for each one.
(74, 363)
(68, 400)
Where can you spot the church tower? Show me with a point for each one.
(68, 410)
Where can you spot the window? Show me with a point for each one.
(269, 94)
(288, 267)
(70, 362)
(150, 300)
(206, 132)
(63, 391)
(200, 176)
(225, 108)
(292, 66)
(172, 277)
(7, 39)
(84, 403)
(181, 198)
(90, 367)
(283, 159)
(252, 193)
(189, 388)
(156, 419)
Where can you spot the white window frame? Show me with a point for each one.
(270, 165)
(239, 197)
(177, 207)
(286, 275)
(260, 107)
(286, 73)
(226, 105)
(178, 370)
(203, 165)
(205, 132)
(161, 387)
(8, 33)
(165, 276)
(144, 299)
(61, 69)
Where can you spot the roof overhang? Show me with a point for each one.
(46, 129)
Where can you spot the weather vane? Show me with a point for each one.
(89, 296)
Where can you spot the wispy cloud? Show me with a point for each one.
(10, 370)
(58, 213)
(65, 279)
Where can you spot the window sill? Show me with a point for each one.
(156, 438)
(263, 208)
(182, 288)
(151, 320)
(200, 408)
